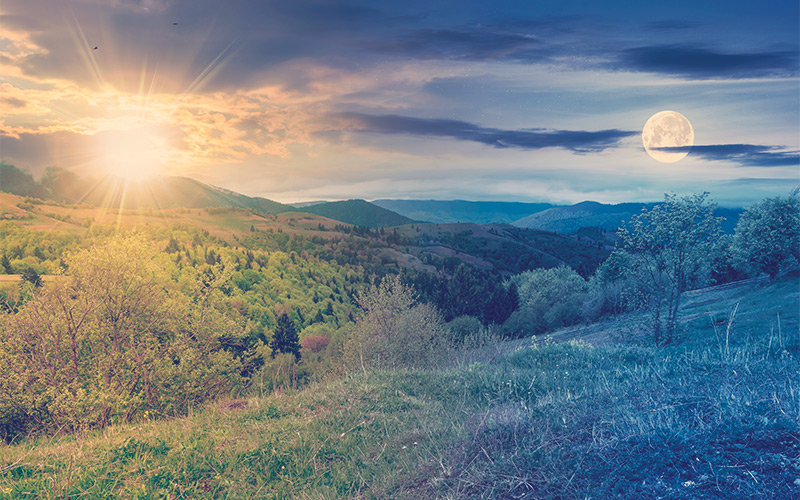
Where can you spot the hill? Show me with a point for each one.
(168, 192)
(172, 192)
(502, 248)
(566, 220)
(14, 180)
(113, 192)
(714, 417)
(358, 213)
(479, 212)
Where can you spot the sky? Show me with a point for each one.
(322, 100)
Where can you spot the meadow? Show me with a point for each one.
(714, 416)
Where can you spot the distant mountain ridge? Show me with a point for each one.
(567, 220)
(357, 212)
(478, 212)
(176, 192)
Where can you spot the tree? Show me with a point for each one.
(394, 331)
(285, 339)
(548, 299)
(6, 265)
(768, 234)
(669, 244)
(29, 275)
(114, 337)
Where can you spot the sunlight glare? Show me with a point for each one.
(136, 153)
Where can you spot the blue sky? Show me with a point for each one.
(306, 100)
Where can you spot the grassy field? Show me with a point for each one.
(716, 416)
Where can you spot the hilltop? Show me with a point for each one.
(358, 213)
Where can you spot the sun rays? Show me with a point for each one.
(131, 137)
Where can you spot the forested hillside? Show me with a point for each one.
(122, 317)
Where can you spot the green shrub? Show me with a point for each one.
(548, 299)
(394, 331)
(113, 338)
(768, 234)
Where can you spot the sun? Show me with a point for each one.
(665, 130)
(135, 150)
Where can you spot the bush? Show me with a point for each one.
(768, 234)
(113, 338)
(464, 327)
(393, 331)
(548, 299)
(314, 343)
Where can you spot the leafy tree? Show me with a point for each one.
(548, 299)
(669, 244)
(394, 331)
(29, 275)
(285, 339)
(114, 337)
(768, 234)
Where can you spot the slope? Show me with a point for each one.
(552, 420)
(480, 212)
(566, 220)
(358, 213)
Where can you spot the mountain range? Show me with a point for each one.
(479, 212)
(568, 220)
(174, 192)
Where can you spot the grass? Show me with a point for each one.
(553, 420)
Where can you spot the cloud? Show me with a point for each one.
(747, 155)
(577, 141)
(470, 44)
(701, 64)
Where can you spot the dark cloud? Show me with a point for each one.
(747, 155)
(13, 102)
(473, 43)
(578, 141)
(700, 63)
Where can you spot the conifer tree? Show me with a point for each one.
(285, 339)
(6, 264)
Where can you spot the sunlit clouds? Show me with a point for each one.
(334, 100)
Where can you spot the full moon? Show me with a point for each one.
(667, 129)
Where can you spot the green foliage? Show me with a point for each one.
(6, 265)
(394, 331)
(115, 337)
(285, 340)
(550, 420)
(768, 234)
(670, 244)
(467, 291)
(612, 288)
(31, 277)
(548, 299)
